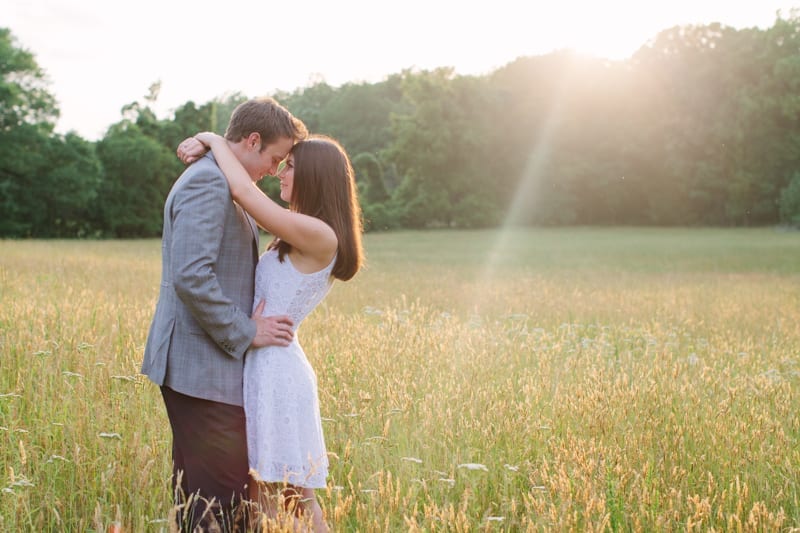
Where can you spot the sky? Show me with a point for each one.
(100, 55)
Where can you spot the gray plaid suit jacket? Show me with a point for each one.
(202, 328)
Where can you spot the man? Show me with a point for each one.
(202, 326)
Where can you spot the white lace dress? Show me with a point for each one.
(284, 430)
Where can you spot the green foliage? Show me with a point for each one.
(71, 185)
(47, 191)
(380, 217)
(138, 173)
(358, 115)
(790, 202)
(19, 168)
(23, 95)
(48, 183)
(223, 109)
(369, 176)
(700, 127)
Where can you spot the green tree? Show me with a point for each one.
(24, 98)
(443, 148)
(766, 150)
(309, 104)
(27, 115)
(369, 176)
(223, 107)
(138, 172)
(358, 115)
(71, 180)
(789, 202)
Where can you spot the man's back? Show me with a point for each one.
(201, 328)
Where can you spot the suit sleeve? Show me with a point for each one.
(198, 216)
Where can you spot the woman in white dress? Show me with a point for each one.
(317, 240)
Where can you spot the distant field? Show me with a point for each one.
(534, 380)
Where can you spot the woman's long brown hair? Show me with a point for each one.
(324, 187)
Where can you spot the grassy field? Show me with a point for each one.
(535, 380)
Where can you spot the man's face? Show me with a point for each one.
(266, 161)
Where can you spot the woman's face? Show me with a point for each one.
(286, 176)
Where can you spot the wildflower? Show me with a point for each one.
(473, 466)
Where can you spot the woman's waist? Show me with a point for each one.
(271, 358)
(292, 349)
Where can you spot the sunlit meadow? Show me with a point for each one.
(548, 380)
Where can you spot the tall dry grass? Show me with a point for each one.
(534, 380)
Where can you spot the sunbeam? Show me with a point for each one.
(529, 185)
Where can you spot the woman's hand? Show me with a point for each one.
(190, 150)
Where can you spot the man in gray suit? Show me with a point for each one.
(202, 326)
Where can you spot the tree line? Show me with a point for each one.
(701, 126)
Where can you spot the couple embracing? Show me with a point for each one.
(240, 394)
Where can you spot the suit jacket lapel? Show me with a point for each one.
(250, 220)
(254, 229)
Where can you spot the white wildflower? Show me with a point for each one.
(473, 466)
(110, 436)
(411, 460)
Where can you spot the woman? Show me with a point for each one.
(316, 240)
